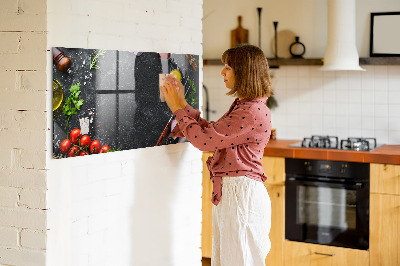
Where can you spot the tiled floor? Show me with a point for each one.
(206, 261)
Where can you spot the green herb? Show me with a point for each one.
(72, 104)
(114, 150)
(191, 97)
(93, 60)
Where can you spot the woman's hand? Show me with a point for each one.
(174, 93)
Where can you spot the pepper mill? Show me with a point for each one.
(63, 62)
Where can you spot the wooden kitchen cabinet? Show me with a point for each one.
(384, 237)
(385, 178)
(274, 168)
(305, 254)
(206, 232)
(277, 233)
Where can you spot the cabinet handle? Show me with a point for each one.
(325, 254)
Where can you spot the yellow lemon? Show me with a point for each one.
(58, 94)
(177, 74)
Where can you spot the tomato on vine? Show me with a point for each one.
(105, 149)
(73, 151)
(75, 135)
(85, 141)
(65, 145)
(95, 146)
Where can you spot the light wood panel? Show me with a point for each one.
(274, 168)
(385, 178)
(206, 233)
(305, 254)
(277, 233)
(384, 229)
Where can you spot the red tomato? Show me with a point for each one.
(65, 145)
(75, 135)
(73, 151)
(85, 140)
(83, 153)
(104, 149)
(95, 146)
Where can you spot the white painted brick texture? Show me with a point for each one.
(23, 132)
(34, 239)
(102, 206)
(9, 237)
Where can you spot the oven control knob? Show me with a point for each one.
(343, 168)
(308, 166)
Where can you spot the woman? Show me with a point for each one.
(242, 207)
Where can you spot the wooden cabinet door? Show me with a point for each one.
(277, 233)
(384, 236)
(305, 254)
(274, 168)
(385, 178)
(206, 232)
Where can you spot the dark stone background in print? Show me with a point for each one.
(122, 107)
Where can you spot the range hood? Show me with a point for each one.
(341, 51)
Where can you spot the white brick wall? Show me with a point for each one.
(93, 202)
(136, 207)
(23, 132)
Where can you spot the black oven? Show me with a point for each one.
(327, 202)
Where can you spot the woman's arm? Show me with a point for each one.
(239, 127)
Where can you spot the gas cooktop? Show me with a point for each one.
(332, 142)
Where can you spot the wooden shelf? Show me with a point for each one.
(295, 62)
(274, 63)
(380, 61)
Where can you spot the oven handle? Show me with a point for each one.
(357, 185)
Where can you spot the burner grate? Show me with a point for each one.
(358, 144)
(327, 142)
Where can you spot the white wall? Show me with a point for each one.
(344, 103)
(135, 207)
(304, 18)
(313, 102)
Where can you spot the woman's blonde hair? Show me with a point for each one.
(250, 66)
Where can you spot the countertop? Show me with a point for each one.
(389, 154)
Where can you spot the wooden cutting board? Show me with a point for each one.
(239, 35)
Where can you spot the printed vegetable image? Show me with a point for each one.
(75, 135)
(93, 60)
(114, 98)
(177, 74)
(104, 149)
(72, 103)
(78, 145)
(95, 146)
(65, 145)
(73, 151)
(85, 141)
(83, 153)
(192, 97)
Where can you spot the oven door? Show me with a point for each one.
(327, 213)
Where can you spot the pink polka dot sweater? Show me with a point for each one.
(238, 139)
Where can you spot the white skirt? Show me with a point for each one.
(241, 223)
